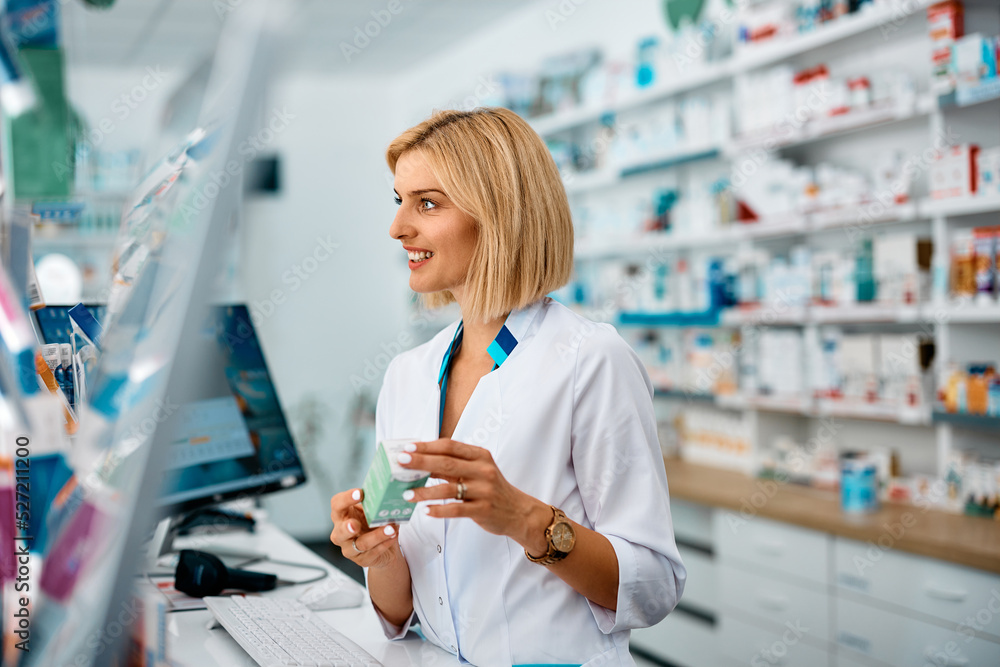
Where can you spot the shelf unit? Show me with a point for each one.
(744, 60)
(939, 317)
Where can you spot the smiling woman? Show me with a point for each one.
(533, 543)
(502, 180)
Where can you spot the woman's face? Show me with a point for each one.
(439, 238)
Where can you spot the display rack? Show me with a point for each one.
(939, 317)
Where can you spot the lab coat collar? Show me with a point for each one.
(513, 330)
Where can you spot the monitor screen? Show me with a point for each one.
(231, 439)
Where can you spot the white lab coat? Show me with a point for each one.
(568, 418)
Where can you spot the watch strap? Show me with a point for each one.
(552, 555)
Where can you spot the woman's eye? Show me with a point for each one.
(427, 204)
(398, 200)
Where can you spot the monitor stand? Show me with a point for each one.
(167, 529)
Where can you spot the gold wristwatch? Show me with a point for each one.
(561, 538)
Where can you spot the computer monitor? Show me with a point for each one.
(230, 440)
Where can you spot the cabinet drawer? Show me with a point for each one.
(700, 590)
(750, 645)
(776, 600)
(904, 642)
(966, 597)
(679, 640)
(777, 547)
(692, 523)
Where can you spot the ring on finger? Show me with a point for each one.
(461, 490)
(354, 543)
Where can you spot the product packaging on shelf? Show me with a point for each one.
(953, 173)
(988, 172)
(974, 60)
(944, 26)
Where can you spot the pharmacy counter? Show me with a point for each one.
(969, 541)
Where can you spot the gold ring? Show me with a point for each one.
(460, 494)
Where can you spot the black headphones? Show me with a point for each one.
(199, 574)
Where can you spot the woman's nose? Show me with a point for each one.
(400, 228)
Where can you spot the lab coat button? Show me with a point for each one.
(440, 601)
(439, 548)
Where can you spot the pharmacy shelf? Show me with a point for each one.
(865, 313)
(975, 422)
(986, 92)
(807, 407)
(871, 411)
(652, 243)
(706, 318)
(869, 18)
(768, 315)
(955, 207)
(862, 216)
(971, 313)
(588, 181)
(789, 225)
(780, 226)
(833, 126)
(681, 395)
(73, 239)
(750, 57)
(698, 78)
(607, 176)
(668, 159)
(102, 195)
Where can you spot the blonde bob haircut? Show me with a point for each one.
(498, 171)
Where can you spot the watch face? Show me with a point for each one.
(563, 537)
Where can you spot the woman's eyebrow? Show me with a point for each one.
(417, 193)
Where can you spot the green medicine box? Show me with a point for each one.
(385, 483)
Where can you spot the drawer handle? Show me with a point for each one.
(939, 658)
(772, 602)
(771, 547)
(945, 594)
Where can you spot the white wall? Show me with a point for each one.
(336, 316)
(121, 106)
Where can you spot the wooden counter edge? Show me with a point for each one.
(963, 540)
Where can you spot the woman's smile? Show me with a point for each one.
(418, 256)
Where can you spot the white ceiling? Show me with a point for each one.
(170, 33)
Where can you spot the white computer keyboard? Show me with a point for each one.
(285, 632)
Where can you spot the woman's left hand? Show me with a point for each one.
(490, 500)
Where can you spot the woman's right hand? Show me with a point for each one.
(368, 547)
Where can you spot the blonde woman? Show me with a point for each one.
(544, 534)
